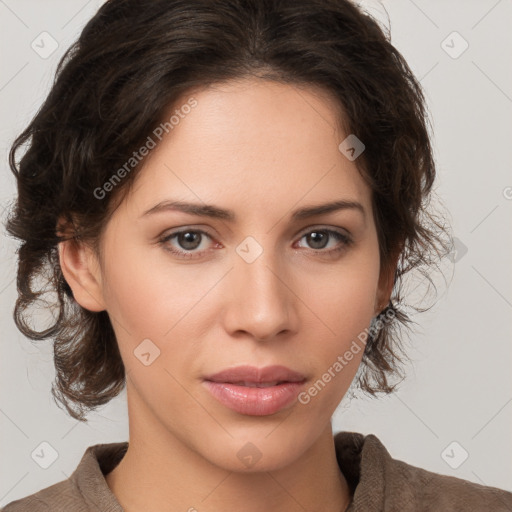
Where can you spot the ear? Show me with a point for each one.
(81, 270)
(386, 282)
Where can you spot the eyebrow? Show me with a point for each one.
(215, 212)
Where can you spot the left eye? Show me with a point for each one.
(188, 239)
(319, 237)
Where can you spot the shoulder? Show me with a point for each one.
(380, 482)
(54, 497)
(431, 491)
(85, 490)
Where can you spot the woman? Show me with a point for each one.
(227, 196)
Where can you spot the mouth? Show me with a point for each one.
(255, 391)
(255, 399)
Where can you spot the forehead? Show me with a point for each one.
(255, 143)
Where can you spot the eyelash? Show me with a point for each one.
(345, 239)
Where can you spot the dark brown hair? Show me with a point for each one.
(133, 60)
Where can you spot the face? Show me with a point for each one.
(190, 295)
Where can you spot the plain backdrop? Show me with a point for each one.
(453, 413)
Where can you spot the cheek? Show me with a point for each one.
(343, 304)
(143, 293)
(346, 297)
(147, 302)
(132, 292)
(336, 354)
(150, 298)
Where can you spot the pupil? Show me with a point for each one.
(187, 238)
(315, 236)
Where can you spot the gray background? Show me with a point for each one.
(458, 387)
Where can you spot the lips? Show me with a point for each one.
(239, 388)
(252, 376)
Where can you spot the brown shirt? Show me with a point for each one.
(377, 481)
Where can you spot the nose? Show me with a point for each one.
(261, 302)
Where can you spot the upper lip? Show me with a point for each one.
(256, 375)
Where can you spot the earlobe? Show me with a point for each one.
(81, 271)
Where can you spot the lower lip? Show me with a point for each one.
(254, 401)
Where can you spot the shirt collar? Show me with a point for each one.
(363, 460)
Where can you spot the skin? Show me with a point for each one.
(263, 150)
